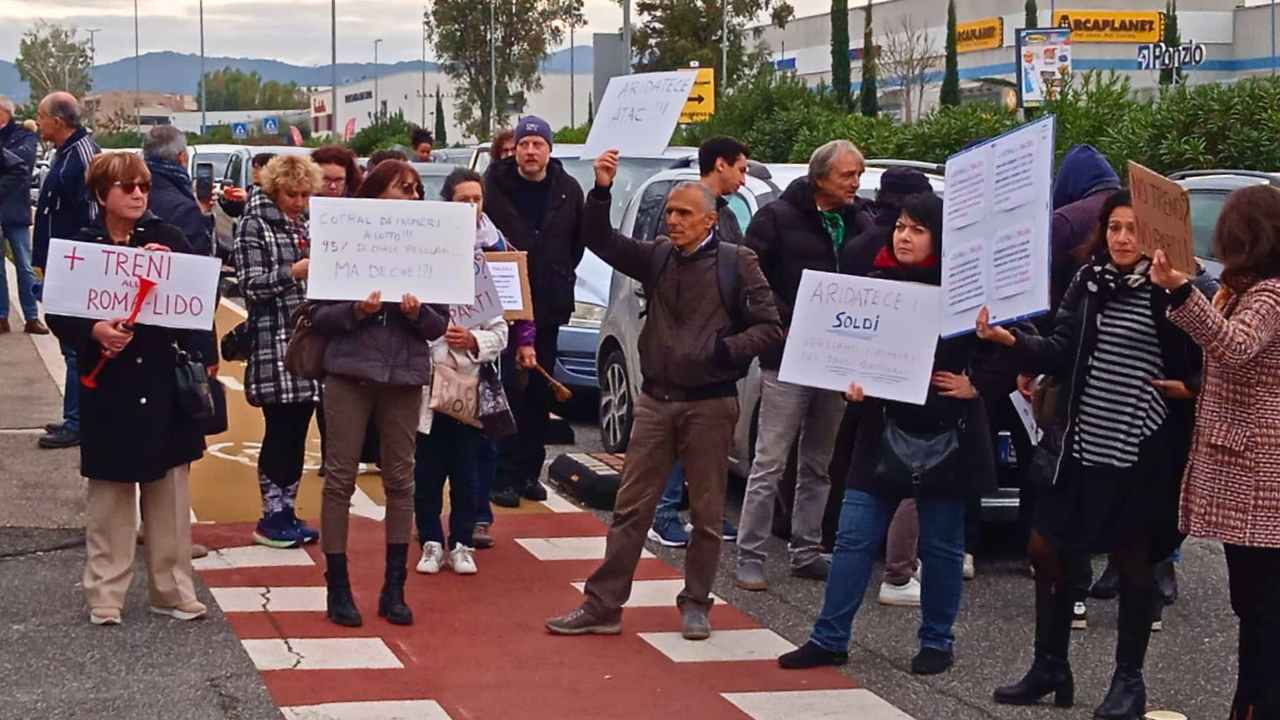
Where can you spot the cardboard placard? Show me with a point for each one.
(488, 303)
(99, 281)
(510, 274)
(1163, 209)
(395, 246)
(881, 334)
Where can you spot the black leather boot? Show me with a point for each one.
(1167, 582)
(391, 602)
(339, 603)
(1108, 585)
(1127, 698)
(1050, 673)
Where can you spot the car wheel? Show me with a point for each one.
(615, 403)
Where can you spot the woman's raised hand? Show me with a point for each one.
(1163, 273)
(993, 333)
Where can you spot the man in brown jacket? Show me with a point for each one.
(698, 341)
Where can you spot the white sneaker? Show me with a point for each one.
(969, 570)
(463, 560)
(902, 595)
(432, 558)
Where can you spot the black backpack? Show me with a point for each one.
(726, 278)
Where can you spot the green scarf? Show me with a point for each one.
(833, 223)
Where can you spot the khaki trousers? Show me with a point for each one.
(699, 434)
(348, 405)
(111, 539)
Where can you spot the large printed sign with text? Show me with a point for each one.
(99, 281)
(638, 113)
(984, 34)
(880, 334)
(1111, 26)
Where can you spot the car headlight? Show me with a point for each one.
(587, 315)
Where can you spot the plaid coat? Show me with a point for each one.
(1231, 491)
(267, 244)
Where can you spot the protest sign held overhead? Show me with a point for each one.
(395, 246)
(509, 272)
(880, 334)
(638, 113)
(996, 228)
(1163, 209)
(93, 280)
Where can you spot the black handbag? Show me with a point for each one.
(195, 398)
(496, 418)
(237, 344)
(217, 423)
(916, 463)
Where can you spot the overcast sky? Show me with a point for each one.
(295, 31)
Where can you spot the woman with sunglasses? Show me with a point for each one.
(271, 254)
(133, 434)
(376, 363)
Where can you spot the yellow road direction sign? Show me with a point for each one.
(701, 104)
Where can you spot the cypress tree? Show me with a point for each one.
(951, 77)
(840, 50)
(1033, 15)
(870, 100)
(441, 137)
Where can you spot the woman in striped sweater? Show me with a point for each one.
(1126, 379)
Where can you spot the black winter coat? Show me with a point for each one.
(975, 474)
(131, 428)
(789, 238)
(173, 201)
(15, 184)
(554, 249)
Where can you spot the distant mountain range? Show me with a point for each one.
(172, 72)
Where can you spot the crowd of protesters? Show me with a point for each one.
(1155, 392)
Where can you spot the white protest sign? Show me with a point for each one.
(510, 274)
(99, 281)
(487, 305)
(396, 246)
(880, 334)
(996, 229)
(638, 113)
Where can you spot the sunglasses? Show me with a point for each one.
(129, 187)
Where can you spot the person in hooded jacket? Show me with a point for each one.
(1085, 180)
(952, 405)
(1127, 380)
(805, 229)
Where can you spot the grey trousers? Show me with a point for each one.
(786, 412)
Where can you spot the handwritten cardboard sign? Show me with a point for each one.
(396, 246)
(880, 334)
(98, 281)
(510, 273)
(488, 303)
(1163, 209)
(638, 113)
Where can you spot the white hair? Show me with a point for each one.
(164, 142)
(824, 157)
(7, 105)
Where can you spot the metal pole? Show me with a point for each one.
(137, 68)
(493, 72)
(626, 32)
(93, 52)
(424, 66)
(377, 108)
(724, 43)
(333, 59)
(1273, 37)
(204, 105)
(572, 115)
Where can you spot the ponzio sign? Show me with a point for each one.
(985, 34)
(1162, 57)
(1111, 26)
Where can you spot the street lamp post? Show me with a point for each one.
(626, 32)
(333, 60)
(93, 52)
(377, 108)
(204, 105)
(1273, 37)
(137, 68)
(572, 78)
(426, 14)
(724, 44)
(493, 72)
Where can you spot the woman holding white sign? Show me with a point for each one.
(377, 360)
(1126, 380)
(134, 434)
(947, 436)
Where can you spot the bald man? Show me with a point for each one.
(63, 209)
(710, 313)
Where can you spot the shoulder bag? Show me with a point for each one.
(495, 409)
(916, 463)
(195, 398)
(304, 354)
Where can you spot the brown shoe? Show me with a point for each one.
(35, 327)
(198, 551)
(4, 325)
(582, 622)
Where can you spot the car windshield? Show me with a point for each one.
(632, 173)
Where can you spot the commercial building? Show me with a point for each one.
(403, 93)
(1107, 34)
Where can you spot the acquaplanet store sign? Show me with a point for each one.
(1111, 26)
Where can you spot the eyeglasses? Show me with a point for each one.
(129, 187)
(335, 182)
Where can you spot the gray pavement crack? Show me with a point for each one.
(299, 658)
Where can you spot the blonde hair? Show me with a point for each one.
(291, 173)
(111, 167)
(30, 125)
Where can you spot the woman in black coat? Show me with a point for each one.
(133, 432)
(952, 408)
(1126, 378)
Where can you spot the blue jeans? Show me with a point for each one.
(672, 494)
(449, 452)
(864, 519)
(71, 399)
(486, 473)
(20, 242)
